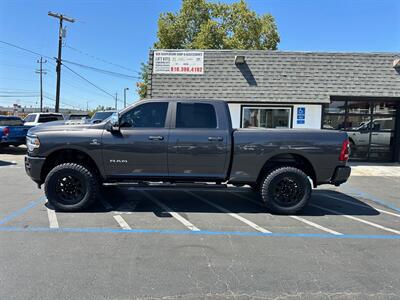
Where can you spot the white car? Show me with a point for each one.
(40, 118)
(381, 133)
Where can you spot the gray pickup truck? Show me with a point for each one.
(183, 141)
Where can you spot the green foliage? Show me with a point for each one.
(208, 25)
(141, 87)
(203, 25)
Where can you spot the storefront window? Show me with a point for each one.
(267, 117)
(333, 121)
(336, 107)
(359, 107)
(369, 124)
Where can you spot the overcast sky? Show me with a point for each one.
(117, 35)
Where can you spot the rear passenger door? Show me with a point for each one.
(197, 145)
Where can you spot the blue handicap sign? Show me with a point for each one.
(301, 110)
(301, 115)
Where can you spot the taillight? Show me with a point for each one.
(6, 131)
(345, 151)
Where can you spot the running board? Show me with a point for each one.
(168, 185)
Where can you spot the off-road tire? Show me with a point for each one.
(285, 178)
(85, 177)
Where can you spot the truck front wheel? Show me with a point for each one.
(71, 187)
(286, 190)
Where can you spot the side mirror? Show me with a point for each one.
(113, 123)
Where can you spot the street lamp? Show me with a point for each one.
(125, 89)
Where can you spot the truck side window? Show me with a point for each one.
(195, 115)
(148, 115)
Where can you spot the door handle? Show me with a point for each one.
(156, 137)
(215, 138)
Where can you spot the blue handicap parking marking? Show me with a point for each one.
(201, 232)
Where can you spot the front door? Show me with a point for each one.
(140, 148)
(197, 146)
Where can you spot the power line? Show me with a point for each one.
(107, 72)
(24, 49)
(100, 59)
(17, 96)
(91, 83)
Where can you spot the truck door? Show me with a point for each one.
(140, 148)
(198, 146)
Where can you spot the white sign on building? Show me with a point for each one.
(179, 62)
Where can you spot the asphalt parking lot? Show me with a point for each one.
(194, 244)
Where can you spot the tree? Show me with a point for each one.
(203, 25)
(142, 85)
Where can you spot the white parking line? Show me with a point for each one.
(53, 222)
(171, 212)
(357, 219)
(364, 205)
(323, 228)
(316, 225)
(234, 215)
(120, 220)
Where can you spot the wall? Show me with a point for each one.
(235, 114)
(312, 115)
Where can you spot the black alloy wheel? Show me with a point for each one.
(71, 187)
(286, 190)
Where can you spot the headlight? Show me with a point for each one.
(32, 142)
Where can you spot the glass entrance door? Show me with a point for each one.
(370, 125)
(382, 131)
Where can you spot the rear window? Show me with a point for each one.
(49, 118)
(195, 115)
(11, 122)
(30, 118)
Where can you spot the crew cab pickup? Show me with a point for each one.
(177, 141)
(12, 131)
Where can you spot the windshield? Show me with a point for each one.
(102, 115)
(11, 122)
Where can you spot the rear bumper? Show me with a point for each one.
(33, 167)
(341, 174)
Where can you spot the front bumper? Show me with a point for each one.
(341, 174)
(33, 167)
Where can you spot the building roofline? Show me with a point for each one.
(284, 51)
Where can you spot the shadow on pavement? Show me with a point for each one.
(4, 163)
(13, 150)
(246, 201)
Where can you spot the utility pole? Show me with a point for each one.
(125, 89)
(41, 72)
(58, 68)
(116, 101)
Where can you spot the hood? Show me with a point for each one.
(68, 125)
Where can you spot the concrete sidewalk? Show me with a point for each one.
(375, 169)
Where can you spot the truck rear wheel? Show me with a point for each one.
(71, 187)
(286, 190)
